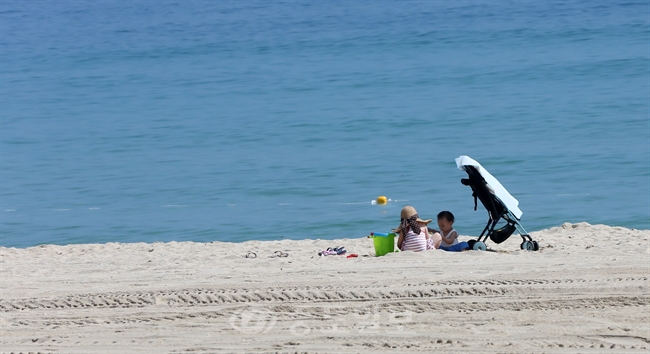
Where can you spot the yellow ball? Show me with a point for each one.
(382, 200)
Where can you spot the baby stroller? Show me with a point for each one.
(499, 204)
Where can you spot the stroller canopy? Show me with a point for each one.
(499, 191)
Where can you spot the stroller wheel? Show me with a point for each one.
(535, 246)
(471, 244)
(479, 246)
(528, 246)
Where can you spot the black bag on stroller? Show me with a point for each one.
(498, 203)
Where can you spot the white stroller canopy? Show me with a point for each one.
(508, 200)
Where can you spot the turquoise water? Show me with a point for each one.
(239, 120)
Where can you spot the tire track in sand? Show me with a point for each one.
(467, 291)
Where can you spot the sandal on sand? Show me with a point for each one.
(251, 255)
(279, 254)
(328, 252)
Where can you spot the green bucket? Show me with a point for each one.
(384, 243)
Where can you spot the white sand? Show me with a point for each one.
(585, 291)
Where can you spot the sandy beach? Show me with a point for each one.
(585, 291)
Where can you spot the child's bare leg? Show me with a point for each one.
(437, 239)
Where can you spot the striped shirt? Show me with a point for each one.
(415, 242)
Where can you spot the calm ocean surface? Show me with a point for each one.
(129, 121)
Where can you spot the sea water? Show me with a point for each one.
(130, 121)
